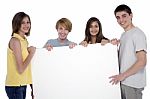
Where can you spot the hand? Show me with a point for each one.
(103, 42)
(84, 43)
(117, 78)
(31, 49)
(114, 41)
(72, 45)
(49, 47)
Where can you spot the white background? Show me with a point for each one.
(45, 13)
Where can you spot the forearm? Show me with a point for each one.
(25, 63)
(139, 65)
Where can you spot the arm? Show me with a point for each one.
(105, 41)
(15, 46)
(48, 46)
(137, 66)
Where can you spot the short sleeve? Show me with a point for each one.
(139, 41)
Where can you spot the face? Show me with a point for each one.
(62, 32)
(94, 28)
(25, 26)
(124, 19)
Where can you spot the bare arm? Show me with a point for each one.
(104, 41)
(15, 46)
(139, 64)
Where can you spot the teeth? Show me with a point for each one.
(25, 28)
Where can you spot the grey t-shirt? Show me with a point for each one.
(130, 42)
(56, 42)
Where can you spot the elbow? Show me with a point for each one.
(20, 70)
(143, 63)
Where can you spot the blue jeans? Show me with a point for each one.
(16, 92)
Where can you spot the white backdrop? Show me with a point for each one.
(45, 13)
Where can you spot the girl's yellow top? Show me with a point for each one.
(13, 78)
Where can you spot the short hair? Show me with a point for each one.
(123, 7)
(16, 22)
(64, 22)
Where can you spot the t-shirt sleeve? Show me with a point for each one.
(140, 42)
(48, 42)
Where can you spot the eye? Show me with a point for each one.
(117, 17)
(96, 26)
(124, 16)
(28, 22)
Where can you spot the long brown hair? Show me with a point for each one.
(99, 36)
(16, 22)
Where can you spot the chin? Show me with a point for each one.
(63, 38)
(26, 31)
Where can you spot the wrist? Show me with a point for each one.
(124, 75)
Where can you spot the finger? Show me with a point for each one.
(112, 77)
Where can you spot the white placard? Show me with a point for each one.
(78, 73)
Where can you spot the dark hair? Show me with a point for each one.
(123, 7)
(99, 36)
(16, 22)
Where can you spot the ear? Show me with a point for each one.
(131, 15)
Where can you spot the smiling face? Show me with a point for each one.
(124, 19)
(62, 32)
(94, 28)
(25, 26)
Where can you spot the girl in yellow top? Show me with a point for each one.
(19, 56)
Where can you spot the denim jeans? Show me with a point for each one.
(16, 92)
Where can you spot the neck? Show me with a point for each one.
(129, 27)
(22, 35)
(93, 39)
(61, 40)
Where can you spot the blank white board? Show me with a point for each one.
(78, 73)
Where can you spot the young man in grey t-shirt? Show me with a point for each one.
(132, 56)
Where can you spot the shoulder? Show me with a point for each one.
(51, 40)
(14, 42)
(138, 31)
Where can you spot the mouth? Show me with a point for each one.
(26, 28)
(94, 32)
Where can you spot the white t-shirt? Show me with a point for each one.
(130, 42)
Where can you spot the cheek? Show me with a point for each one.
(90, 29)
(97, 29)
(118, 21)
(67, 33)
(29, 25)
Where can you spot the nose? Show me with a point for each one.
(121, 20)
(62, 31)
